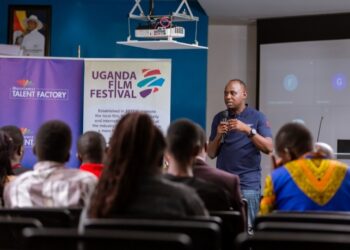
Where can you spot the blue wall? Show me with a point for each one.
(97, 24)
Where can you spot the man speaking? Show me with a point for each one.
(238, 134)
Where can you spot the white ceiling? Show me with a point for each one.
(247, 11)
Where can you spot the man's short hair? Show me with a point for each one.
(243, 84)
(294, 138)
(92, 145)
(53, 141)
(183, 139)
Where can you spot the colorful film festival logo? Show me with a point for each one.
(24, 90)
(28, 137)
(152, 83)
(120, 84)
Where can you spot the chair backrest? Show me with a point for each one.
(69, 239)
(310, 217)
(232, 225)
(212, 218)
(204, 235)
(49, 217)
(75, 213)
(282, 226)
(342, 213)
(292, 241)
(11, 231)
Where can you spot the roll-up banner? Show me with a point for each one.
(35, 90)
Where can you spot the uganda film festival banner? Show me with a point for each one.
(35, 90)
(115, 87)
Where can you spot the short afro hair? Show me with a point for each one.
(53, 141)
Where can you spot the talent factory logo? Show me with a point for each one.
(26, 89)
(151, 83)
(28, 137)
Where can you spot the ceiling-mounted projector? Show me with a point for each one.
(157, 31)
(160, 32)
(160, 28)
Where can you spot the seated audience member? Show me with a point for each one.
(183, 141)
(324, 150)
(51, 184)
(223, 179)
(131, 183)
(18, 142)
(305, 181)
(6, 173)
(91, 150)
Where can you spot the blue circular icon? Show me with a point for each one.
(339, 81)
(290, 82)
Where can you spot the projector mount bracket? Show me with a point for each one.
(182, 14)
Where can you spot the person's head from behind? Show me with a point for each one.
(183, 143)
(136, 143)
(136, 150)
(292, 141)
(18, 142)
(6, 150)
(91, 147)
(53, 142)
(203, 144)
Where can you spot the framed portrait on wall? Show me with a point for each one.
(30, 28)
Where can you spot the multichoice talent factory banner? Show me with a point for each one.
(35, 90)
(115, 87)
